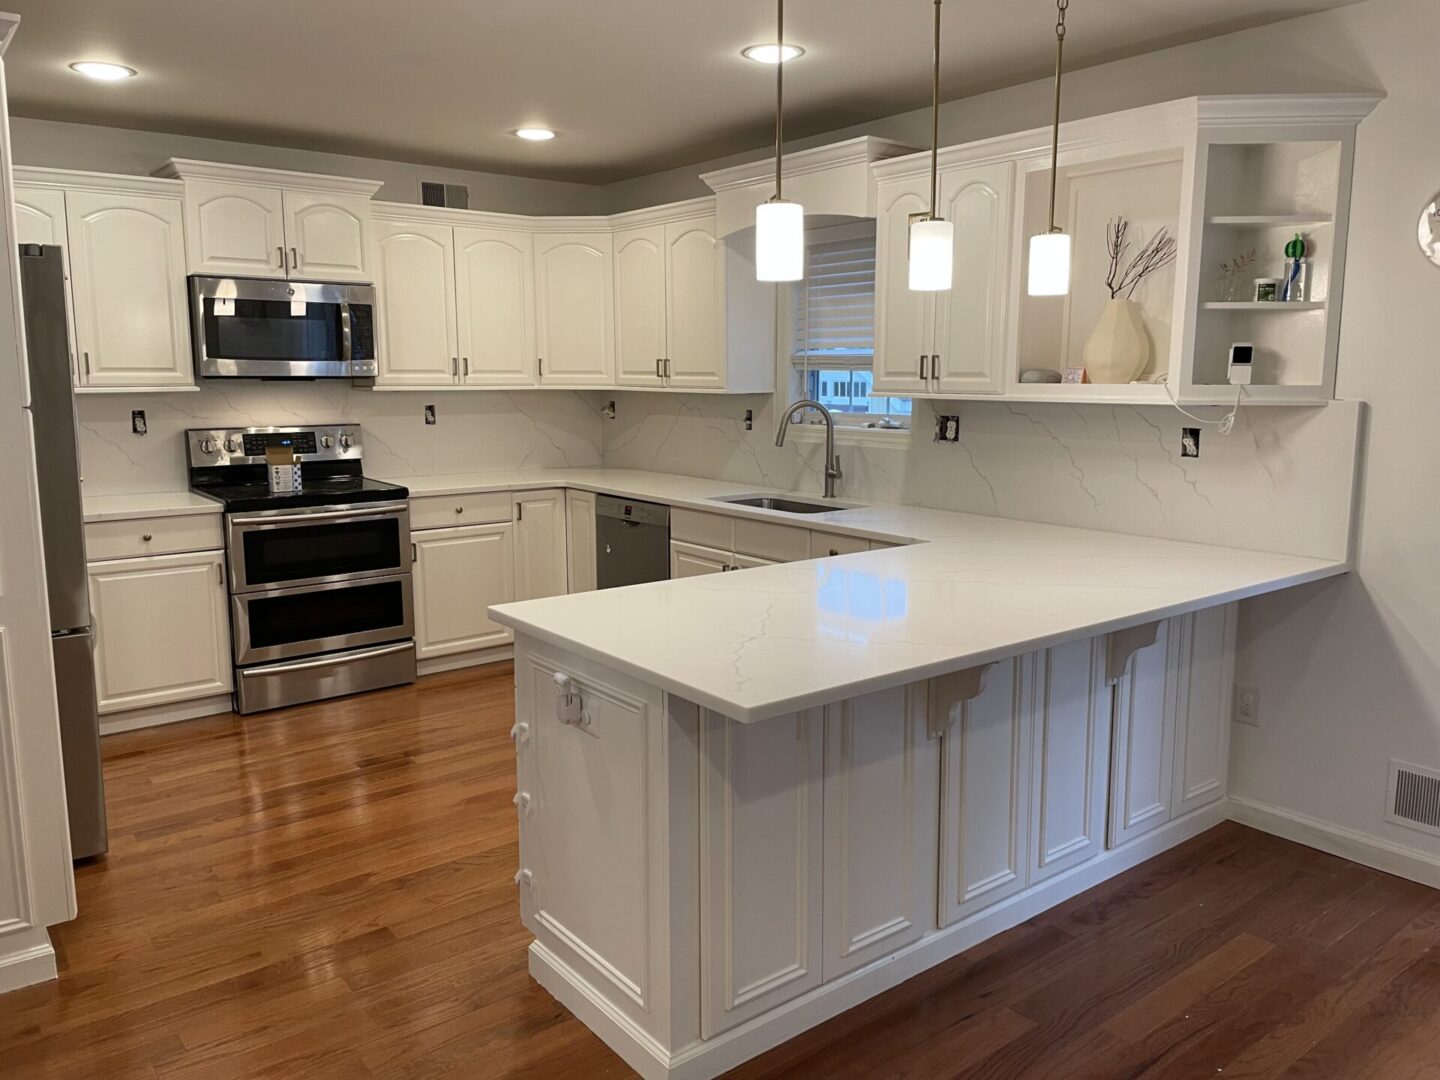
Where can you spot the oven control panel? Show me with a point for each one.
(247, 446)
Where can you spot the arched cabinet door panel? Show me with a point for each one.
(327, 235)
(235, 229)
(640, 305)
(415, 280)
(494, 271)
(574, 290)
(695, 345)
(902, 317)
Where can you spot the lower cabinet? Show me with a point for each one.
(541, 564)
(580, 539)
(162, 629)
(693, 560)
(458, 574)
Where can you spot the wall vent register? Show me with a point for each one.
(1414, 797)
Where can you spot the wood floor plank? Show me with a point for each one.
(325, 893)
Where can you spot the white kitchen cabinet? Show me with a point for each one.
(1142, 755)
(162, 629)
(459, 573)
(882, 774)
(574, 306)
(1203, 702)
(761, 864)
(693, 560)
(40, 219)
(984, 796)
(741, 561)
(494, 275)
(694, 329)
(952, 342)
(580, 536)
(968, 350)
(640, 306)
(127, 269)
(541, 564)
(327, 235)
(415, 281)
(235, 229)
(1071, 717)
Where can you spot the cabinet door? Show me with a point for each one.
(640, 256)
(1072, 760)
(882, 774)
(984, 797)
(494, 271)
(541, 566)
(1142, 754)
(459, 573)
(234, 229)
(970, 317)
(40, 219)
(127, 270)
(415, 283)
(749, 562)
(574, 290)
(162, 629)
(580, 526)
(328, 236)
(692, 560)
(761, 856)
(1202, 719)
(902, 317)
(695, 338)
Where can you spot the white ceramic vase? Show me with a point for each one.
(1119, 349)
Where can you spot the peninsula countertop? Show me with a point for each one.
(968, 590)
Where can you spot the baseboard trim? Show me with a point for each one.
(1363, 848)
(171, 712)
(703, 1060)
(26, 958)
(455, 661)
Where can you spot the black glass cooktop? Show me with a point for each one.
(250, 496)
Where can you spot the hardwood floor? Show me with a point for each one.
(326, 892)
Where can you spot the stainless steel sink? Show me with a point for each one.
(786, 505)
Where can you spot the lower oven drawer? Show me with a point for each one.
(293, 682)
(283, 623)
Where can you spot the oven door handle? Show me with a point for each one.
(325, 661)
(370, 513)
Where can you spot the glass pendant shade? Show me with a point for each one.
(779, 241)
(1050, 264)
(932, 255)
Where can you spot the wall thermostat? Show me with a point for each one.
(1242, 357)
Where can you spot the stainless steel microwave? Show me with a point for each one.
(258, 328)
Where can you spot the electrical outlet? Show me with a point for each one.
(749, 419)
(608, 412)
(137, 422)
(1247, 705)
(947, 429)
(1190, 442)
(430, 414)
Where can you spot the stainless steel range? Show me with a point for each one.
(321, 602)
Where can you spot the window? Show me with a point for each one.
(834, 329)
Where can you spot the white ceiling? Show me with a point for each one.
(633, 86)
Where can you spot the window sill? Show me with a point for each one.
(852, 435)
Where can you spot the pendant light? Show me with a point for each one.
(1050, 250)
(932, 238)
(779, 224)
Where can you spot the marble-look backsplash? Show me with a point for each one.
(475, 431)
(1283, 480)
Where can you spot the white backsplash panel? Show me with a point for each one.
(473, 431)
(1282, 480)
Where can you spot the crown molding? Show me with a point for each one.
(76, 180)
(190, 169)
(862, 151)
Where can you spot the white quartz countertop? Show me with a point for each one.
(161, 504)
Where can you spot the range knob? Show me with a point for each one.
(346, 440)
(208, 445)
(233, 445)
(326, 442)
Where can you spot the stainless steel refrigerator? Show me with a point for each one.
(62, 524)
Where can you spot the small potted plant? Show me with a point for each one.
(1119, 349)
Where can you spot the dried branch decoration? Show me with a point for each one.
(1156, 254)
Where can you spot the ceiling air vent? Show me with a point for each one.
(1414, 797)
(453, 196)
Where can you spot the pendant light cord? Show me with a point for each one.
(780, 90)
(935, 121)
(1060, 7)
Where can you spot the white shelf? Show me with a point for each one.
(1266, 221)
(1264, 305)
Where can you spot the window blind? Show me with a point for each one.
(835, 306)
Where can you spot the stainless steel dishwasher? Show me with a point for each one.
(632, 542)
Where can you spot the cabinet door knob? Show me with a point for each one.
(459, 509)
(834, 551)
(147, 537)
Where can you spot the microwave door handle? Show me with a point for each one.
(346, 347)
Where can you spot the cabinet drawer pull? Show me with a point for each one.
(459, 509)
(834, 551)
(147, 537)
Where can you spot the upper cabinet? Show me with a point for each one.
(575, 319)
(495, 288)
(272, 224)
(640, 306)
(415, 277)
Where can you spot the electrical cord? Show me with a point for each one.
(1224, 425)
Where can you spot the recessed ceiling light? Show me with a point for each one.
(772, 54)
(535, 134)
(99, 69)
